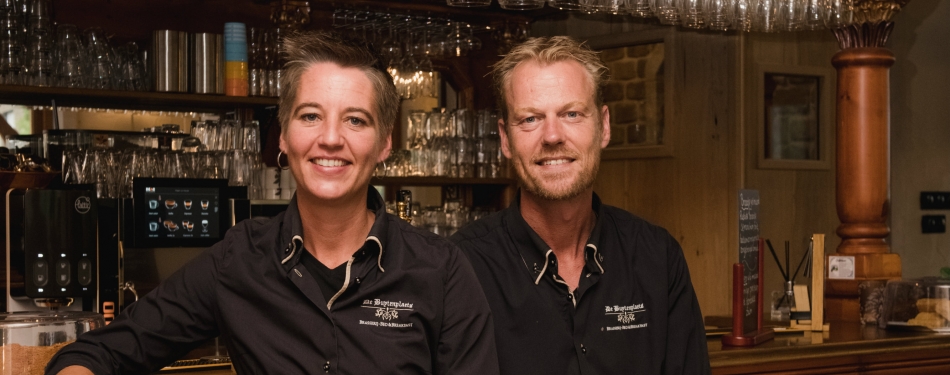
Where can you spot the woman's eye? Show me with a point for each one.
(309, 117)
(356, 121)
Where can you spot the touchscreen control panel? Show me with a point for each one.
(182, 212)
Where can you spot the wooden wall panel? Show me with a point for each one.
(794, 203)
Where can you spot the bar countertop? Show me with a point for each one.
(845, 348)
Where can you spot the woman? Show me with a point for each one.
(332, 285)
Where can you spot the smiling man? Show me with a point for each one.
(575, 286)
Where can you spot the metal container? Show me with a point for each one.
(30, 339)
(170, 60)
(204, 64)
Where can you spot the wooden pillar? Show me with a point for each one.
(862, 175)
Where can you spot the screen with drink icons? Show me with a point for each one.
(182, 212)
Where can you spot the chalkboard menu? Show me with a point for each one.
(749, 256)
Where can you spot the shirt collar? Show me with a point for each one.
(537, 255)
(291, 234)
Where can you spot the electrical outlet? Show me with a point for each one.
(933, 224)
(934, 200)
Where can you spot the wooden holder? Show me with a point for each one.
(759, 335)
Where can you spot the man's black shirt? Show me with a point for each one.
(634, 310)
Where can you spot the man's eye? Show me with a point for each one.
(573, 114)
(530, 120)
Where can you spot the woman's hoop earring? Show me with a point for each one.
(279, 153)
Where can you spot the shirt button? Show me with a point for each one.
(357, 280)
(570, 296)
(326, 367)
(583, 349)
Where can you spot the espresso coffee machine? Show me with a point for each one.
(52, 257)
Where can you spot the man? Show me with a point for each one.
(575, 286)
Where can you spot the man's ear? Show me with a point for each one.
(503, 133)
(605, 127)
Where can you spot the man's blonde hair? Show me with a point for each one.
(548, 50)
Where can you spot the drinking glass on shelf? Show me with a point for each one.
(667, 11)
(718, 14)
(521, 4)
(11, 48)
(691, 13)
(100, 59)
(70, 57)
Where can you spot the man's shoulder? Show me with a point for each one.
(488, 229)
(628, 223)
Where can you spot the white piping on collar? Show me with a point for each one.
(379, 260)
(545, 268)
(596, 257)
(295, 243)
(346, 283)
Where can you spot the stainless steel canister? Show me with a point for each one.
(219, 67)
(170, 60)
(204, 63)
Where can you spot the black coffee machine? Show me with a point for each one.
(68, 250)
(52, 257)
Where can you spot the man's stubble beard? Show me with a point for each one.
(585, 179)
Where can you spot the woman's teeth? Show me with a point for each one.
(329, 162)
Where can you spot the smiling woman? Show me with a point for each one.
(321, 282)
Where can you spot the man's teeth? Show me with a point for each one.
(329, 162)
(554, 162)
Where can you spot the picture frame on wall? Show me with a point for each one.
(795, 106)
(640, 92)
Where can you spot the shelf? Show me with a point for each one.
(438, 181)
(133, 100)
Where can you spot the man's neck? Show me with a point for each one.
(333, 231)
(564, 225)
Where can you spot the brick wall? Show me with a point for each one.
(635, 94)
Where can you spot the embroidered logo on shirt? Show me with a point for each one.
(386, 311)
(625, 315)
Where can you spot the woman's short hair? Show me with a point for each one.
(304, 49)
(548, 50)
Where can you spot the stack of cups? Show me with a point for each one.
(235, 59)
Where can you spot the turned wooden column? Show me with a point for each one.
(863, 157)
(862, 169)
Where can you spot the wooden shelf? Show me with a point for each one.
(439, 181)
(133, 100)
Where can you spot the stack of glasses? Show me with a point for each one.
(235, 59)
(460, 143)
(229, 151)
(264, 61)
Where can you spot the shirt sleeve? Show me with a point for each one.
(467, 340)
(162, 326)
(686, 351)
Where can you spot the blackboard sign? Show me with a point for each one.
(749, 256)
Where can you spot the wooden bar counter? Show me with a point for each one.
(849, 348)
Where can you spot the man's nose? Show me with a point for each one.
(553, 131)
